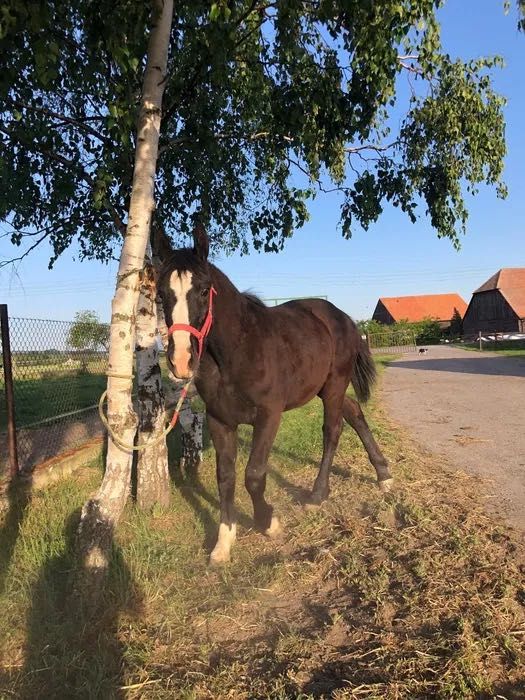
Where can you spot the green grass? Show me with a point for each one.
(49, 395)
(512, 353)
(418, 595)
(510, 349)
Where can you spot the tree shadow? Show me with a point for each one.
(295, 492)
(18, 495)
(471, 364)
(285, 454)
(191, 488)
(72, 645)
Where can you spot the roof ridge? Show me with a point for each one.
(418, 296)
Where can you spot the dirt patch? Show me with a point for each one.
(50, 441)
(467, 407)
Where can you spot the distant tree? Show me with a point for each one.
(428, 331)
(456, 324)
(370, 326)
(88, 333)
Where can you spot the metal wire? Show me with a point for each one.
(58, 373)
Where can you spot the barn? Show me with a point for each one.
(440, 307)
(498, 306)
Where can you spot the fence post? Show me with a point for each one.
(9, 392)
(480, 341)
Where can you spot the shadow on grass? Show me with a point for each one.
(284, 454)
(193, 491)
(18, 495)
(295, 492)
(72, 647)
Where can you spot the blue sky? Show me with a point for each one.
(392, 258)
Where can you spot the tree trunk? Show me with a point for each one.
(101, 513)
(153, 481)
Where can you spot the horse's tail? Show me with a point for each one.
(364, 373)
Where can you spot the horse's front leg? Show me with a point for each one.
(264, 432)
(225, 442)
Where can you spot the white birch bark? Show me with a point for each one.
(101, 513)
(153, 481)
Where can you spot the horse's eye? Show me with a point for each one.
(205, 292)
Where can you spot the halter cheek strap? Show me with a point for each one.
(206, 326)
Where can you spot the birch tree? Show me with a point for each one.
(101, 513)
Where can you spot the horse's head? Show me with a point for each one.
(186, 291)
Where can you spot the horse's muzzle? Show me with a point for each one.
(181, 366)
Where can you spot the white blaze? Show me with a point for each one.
(181, 284)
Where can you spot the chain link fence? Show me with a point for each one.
(58, 370)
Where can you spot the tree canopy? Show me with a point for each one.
(88, 333)
(267, 103)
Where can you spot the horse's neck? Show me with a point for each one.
(230, 307)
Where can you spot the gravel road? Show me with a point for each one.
(470, 408)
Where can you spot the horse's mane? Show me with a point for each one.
(185, 259)
(253, 298)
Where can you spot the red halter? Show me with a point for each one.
(206, 326)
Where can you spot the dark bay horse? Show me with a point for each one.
(250, 363)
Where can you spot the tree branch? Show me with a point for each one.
(71, 165)
(12, 261)
(371, 147)
(237, 137)
(63, 118)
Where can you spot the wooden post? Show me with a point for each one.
(480, 341)
(9, 393)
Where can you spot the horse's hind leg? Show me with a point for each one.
(264, 432)
(225, 442)
(353, 415)
(332, 426)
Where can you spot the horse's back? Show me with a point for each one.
(336, 320)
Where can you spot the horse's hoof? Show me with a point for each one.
(275, 531)
(310, 507)
(315, 500)
(314, 503)
(221, 552)
(218, 560)
(386, 486)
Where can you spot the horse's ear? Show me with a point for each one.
(201, 244)
(160, 242)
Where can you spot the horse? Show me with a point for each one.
(249, 363)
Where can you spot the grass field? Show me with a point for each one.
(418, 595)
(44, 391)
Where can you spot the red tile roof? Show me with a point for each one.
(511, 283)
(417, 308)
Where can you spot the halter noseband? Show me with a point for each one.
(206, 326)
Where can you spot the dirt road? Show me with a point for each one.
(469, 407)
